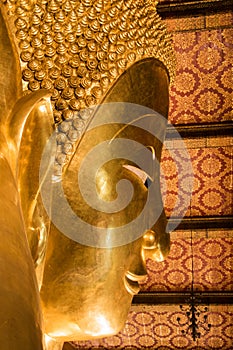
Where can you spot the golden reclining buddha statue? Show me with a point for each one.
(89, 74)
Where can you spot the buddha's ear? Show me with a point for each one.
(33, 125)
(14, 107)
(20, 315)
(26, 124)
(33, 110)
(29, 127)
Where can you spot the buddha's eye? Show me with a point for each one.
(142, 175)
(148, 182)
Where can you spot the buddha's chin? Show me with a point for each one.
(73, 333)
(92, 325)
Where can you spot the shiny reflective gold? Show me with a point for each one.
(87, 292)
(20, 315)
(51, 344)
(85, 52)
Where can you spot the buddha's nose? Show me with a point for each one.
(155, 246)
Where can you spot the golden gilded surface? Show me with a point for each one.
(87, 291)
(79, 48)
(20, 315)
(83, 53)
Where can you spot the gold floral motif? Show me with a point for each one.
(26, 56)
(34, 85)
(74, 104)
(27, 75)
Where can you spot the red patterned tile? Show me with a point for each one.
(185, 24)
(219, 20)
(202, 91)
(212, 171)
(216, 272)
(213, 174)
(211, 21)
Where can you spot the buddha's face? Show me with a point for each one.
(87, 290)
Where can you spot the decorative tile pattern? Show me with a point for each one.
(185, 24)
(212, 194)
(212, 167)
(156, 327)
(202, 91)
(213, 265)
(212, 21)
(172, 1)
(219, 20)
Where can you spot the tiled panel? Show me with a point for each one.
(185, 24)
(176, 179)
(167, 1)
(211, 21)
(219, 20)
(156, 327)
(180, 1)
(212, 193)
(202, 91)
(211, 164)
(212, 264)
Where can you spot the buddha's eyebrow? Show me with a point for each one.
(142, 175)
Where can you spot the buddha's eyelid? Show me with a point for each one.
(139, 172)
(153, 158)
(145, 177)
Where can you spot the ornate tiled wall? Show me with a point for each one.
(203, 87)
(202, 91)
(208, 175)
(156, 327)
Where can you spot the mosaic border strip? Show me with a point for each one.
(158, 298)
(168, 9)
(203, 130)
(200, 223)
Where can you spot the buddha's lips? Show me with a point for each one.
(131, 286)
